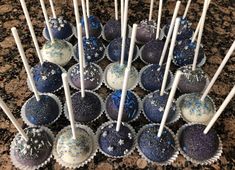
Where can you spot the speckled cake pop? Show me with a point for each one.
(113, 143)
(47, 77)
(94, 26)
(131, 106)
(146, 31)
(192, 109)
(156, 149)
(114, 75)
(192, 81)
(92, 76)
(112, 29)
(115, 48)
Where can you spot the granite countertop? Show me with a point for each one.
(218, 36)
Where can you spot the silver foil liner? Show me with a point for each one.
(48, 94)
(98, 133)
(194, 161)
(173, 157)
(24, 167)
(74, 166)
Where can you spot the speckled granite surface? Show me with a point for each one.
(218, 36)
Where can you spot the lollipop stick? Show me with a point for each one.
(186, 9)
(88, 8)
(219, 70)
(47, 20)
(221, 109)
(26, 13)
(169, 102)
(69, 103)
(116, 9)
(85, 19)
(151, 10)
(159, 19)
(177, 23)
(132, 45)
(76, 11)
(169, 32)
(26, 65)
(52, 8)
(12, 119)
(122, 14)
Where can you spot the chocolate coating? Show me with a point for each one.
(94, 26)
(112, 29)
(146, 31)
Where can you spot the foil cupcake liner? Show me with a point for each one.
(98, 133)
(194, 161)
(24, 167)
(173, 157)
(74, 166)
(102, 28)
(140, 107)
(48, 94)
(178, 110)
(173, 121)
(83, 123)
(109, 87)
(76, 88)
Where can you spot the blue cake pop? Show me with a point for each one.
(94, 26)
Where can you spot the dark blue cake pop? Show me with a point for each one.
(60, 28)
(93, 49)
(146, 31)
(197, 145)
(152, 77)
(113, 143)
(42, 112)
(184, 53)
(94, 26)
(47, 77)
(154, 148)
(115, 49)
(154, 106)
(131, 106)
(112, 29)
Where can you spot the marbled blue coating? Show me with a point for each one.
(184, 53)
(94, 26)
(41, 112)
(198, 145)
(61, 29)
(112, 29)
(116, 143)
(156, 149)
(152, 77)
(47, 77)
(130, 107)
(93, 49)
(146, 31)
(154, 106)
(115, 49)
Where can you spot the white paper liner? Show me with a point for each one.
(174, 119)
(101, 110)
(197, 162)
(48, 94)
(168, 87)
(24, 167)
(140, 108)
(109, 87)
(178, 101)
(76, 88)
(174, 156)
(74, 166)
(102, 28)
(98, 133)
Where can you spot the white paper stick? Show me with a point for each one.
(199, 23)
(199, 38)
(85, 19)
(132, 45)
(25, 62)
(47, 20)
(26, 13)
(151, 10)
(122, 15)
(69, 103)
(186, 9)
(219, 70)
(76, 11)
(159, 19)
(52, 8)
(88, 8)
(170, 54)
(169, 32)
(124, 32)
(12, 119)
(169, 102)
(221, 109)
(116, 9)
